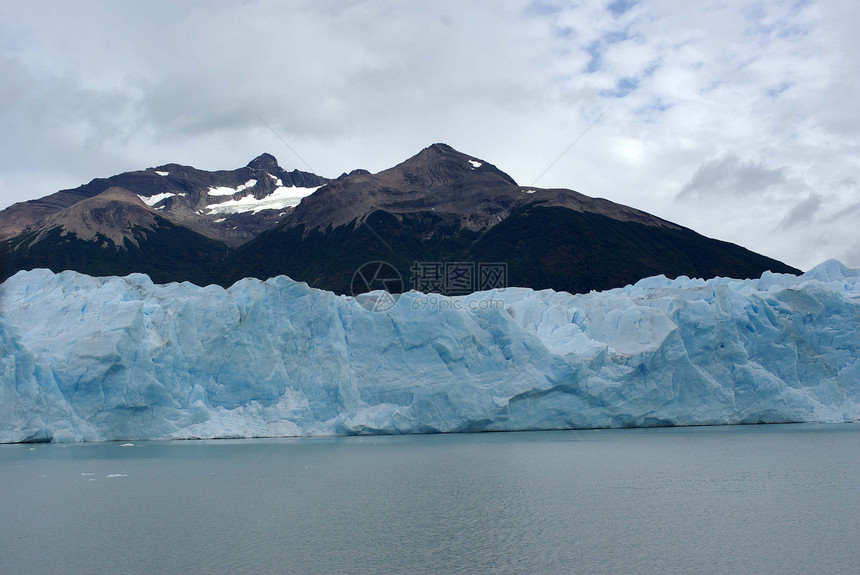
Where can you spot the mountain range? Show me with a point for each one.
(441, 221)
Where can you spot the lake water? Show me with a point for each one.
(764, 499)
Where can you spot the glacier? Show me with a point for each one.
(86, 359)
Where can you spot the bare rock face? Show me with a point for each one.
(115, 214)
(442, 180)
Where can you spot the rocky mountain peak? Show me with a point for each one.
(441, 165)
(437, 179)
(264, 162)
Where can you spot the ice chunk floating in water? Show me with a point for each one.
(85, 358)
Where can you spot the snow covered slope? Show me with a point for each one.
(85, 358)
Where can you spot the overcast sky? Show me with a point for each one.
(737, 118)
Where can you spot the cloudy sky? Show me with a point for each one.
(737, 118)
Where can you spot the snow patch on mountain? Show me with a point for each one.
(280, 198)
(228, 191)
(153, 200)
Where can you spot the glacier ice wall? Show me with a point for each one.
(85, 358)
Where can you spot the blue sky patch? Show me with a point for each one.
(619, 7)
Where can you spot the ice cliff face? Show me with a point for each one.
(85, 358)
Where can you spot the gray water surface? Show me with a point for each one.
(765, 499)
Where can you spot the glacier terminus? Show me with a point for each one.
(85, 358)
